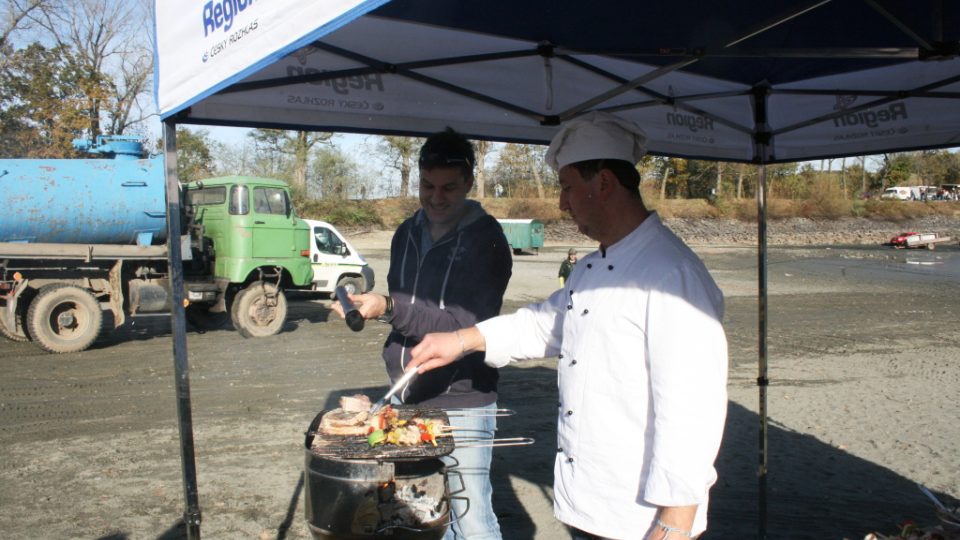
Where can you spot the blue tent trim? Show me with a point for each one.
(267, 60)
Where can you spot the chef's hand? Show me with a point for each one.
(438, 350)
(678, 521)
(370, 305)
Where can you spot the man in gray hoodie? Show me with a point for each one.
(449, 267)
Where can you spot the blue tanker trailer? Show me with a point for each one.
(119, 200)
(78, 234)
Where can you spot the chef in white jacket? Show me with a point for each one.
(642, 356)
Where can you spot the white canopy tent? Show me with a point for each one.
(809, 79)
(758, 81)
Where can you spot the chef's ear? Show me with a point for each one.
(607, 181)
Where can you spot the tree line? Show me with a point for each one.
(84, 68)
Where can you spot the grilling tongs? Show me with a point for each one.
(393, 390)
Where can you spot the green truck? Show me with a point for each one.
(242, 246)
(252, 246)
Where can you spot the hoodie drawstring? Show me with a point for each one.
(446, 276)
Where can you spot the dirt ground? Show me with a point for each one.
(863, 406)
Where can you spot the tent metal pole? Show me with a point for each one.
(191, 515)
(762, 381)
(762, 146)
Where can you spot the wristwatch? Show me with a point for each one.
(388, 312)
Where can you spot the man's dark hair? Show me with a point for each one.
(626, 173)
(448, 149)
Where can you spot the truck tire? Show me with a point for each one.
(64, 318)
(19, 331)
(354, 285)
(205, 320)
(260, 310)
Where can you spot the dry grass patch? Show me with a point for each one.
(684, 208)
(822, 205)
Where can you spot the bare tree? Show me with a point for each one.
(535, 167)
(336, 175)
(113, 56)
(741, 172)
(521, 165)
(481, 148)
(663, 182)
(400, 154)
(296, 145)
(19, 15)
(718, 189)
(843, 176)
(863, 174)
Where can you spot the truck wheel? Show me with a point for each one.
(205, 320)
(354, 285)
(19, 330)
(64, 318)
(259, 310)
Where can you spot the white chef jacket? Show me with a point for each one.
(642, 376)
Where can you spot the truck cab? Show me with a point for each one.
(250, 224)
(335, 262)
(250, 246)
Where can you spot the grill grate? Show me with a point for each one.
(356, 447)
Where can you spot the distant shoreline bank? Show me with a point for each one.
(730, 232)
(790, 231)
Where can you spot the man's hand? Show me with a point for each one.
(370, 305)
(438, 350)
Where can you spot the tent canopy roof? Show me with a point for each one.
(736, 80)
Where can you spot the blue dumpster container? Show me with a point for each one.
(523, 234)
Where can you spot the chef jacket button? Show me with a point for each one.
(586, 311)
(559, 450)
(589, 265)
(561, 356)
(573, 362)
(569, 460)
(569, 306)
(610, 267)
(569, 413)
(559, 404)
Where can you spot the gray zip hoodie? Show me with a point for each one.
(454, 283)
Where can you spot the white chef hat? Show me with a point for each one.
(596, 135)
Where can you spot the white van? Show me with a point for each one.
(899, 193)
(335, 261)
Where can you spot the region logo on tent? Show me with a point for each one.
(869, 117)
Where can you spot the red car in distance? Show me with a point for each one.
(900, 240)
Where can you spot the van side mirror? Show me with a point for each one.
(343, 250)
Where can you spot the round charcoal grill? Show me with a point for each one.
(355, 492)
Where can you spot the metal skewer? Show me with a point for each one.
(494, 443)
(479, 412)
